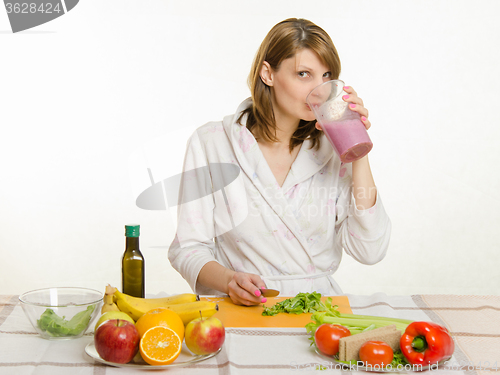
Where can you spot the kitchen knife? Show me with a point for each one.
(269, 292)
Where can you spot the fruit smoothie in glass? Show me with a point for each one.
(342, 127)
(349, 139)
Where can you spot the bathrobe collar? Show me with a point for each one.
(308, 162)
(254, 165)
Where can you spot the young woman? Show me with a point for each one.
(284, 221)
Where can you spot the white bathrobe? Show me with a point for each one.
(292, 236)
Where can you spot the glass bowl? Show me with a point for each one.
(61, 313)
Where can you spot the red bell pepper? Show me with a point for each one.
(426, 343)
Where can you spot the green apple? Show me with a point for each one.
(113, 315)
(204, 335)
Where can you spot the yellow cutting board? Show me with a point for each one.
(232, 315)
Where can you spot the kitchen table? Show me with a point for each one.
(472, 320)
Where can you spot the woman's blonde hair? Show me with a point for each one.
(281, 43)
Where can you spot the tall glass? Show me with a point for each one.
(342, 127)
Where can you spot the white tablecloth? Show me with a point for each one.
(472, 320)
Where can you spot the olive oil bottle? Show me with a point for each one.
(133, 264)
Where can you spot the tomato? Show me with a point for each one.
(327, 337)
(375, 353)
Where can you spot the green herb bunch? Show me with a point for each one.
(301, 303)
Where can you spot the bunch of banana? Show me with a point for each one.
(186, 305)
(108, 303)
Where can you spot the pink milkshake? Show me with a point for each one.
(342, 127)
(349, 139)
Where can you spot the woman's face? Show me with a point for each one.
(293, 81)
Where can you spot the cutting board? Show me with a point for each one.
(232, 315)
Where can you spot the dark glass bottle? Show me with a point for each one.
(133, 264)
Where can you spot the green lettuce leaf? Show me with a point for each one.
(56, 326)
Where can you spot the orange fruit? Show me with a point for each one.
(161, 316)
(160, 346)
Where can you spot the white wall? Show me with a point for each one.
(91, 100)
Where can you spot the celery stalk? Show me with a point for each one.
(370, 317)
(362, 323)
(355, 323)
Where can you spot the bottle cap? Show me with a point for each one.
(132, 230)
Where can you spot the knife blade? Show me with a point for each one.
(269, 292)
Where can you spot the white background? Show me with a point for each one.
(91, 100)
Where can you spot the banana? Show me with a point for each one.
(108, 304)
(186, 311)
(134, 313)
(185, 305)
(155, 302)
(135, 306)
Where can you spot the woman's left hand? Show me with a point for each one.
(356, 105)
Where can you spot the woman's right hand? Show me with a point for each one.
(244, 289)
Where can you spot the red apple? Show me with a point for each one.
(204, 335)
(117, 341)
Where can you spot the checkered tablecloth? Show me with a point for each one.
(472, 320)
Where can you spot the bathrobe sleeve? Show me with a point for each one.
(363, 234)
(193, 245)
